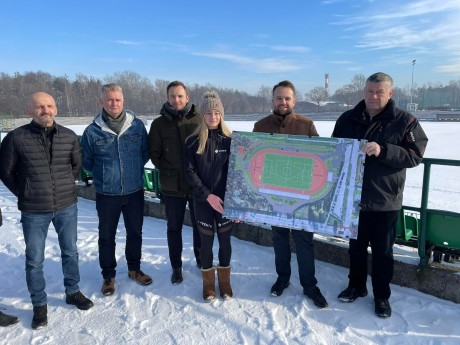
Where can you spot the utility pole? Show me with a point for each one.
(412, 84)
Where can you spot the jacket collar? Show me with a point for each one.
(279, 119)
(98, 120)
(168, 115)
(39, 129)
(387, 114)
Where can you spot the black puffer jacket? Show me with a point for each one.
(207, 173)
(403, 144)
(42, 177)
(166, 149)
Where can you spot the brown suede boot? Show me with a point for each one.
(223, 276)
(209, 284)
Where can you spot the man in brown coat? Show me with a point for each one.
(285, 121)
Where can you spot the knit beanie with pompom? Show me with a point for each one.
(211, 101)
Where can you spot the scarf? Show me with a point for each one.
(114, 124)
(179, 114)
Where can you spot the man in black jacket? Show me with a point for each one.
(5, 319)
(40, 163)
(395, 141)
(167, 135)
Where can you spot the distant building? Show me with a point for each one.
(448, 117)
(412, 106)
(307, 107)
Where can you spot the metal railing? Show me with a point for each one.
(434, 225)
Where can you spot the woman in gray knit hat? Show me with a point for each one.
(207, 153)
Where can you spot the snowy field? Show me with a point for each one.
(165, 314)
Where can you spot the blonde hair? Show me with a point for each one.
(202, 130)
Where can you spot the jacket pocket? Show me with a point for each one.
(26, 188)
(169, 180)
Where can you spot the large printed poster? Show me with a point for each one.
(296, 182)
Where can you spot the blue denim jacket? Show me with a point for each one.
(116, 161)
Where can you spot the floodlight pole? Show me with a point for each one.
(412, 84)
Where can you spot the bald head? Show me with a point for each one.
(42, 108)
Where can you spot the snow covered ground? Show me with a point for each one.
(165, 314)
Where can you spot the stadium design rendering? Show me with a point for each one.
(297, 182)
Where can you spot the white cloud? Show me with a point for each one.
(428, 28)
(264, 65)
(118, 61)
(283, 48)
(453, 68)
(128, 43)
(292, 49)
(330, 2)
(341, 62)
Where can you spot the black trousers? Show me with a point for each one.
(175, 212)
(207, 219)
(305, 256)
(379, 230)
(109, 208)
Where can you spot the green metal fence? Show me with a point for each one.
(430, 228)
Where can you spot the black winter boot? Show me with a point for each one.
(7, 320)
(40, 318)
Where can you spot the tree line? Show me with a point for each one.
(430, 96)
(80, 97)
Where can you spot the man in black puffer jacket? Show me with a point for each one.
(179, 119)
(395, 141)
(40, 163)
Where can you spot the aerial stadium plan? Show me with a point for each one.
(297, 182)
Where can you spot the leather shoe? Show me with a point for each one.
(108, 286)
(79, 300)
(176, 276)
(278, 288)
(317, 298)
(382, 308)
(140, 277)
(350, 294)
(7, 320)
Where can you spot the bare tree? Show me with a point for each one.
(138, 91)
(351, 93)
(348, 95)
(81, 95)
(265, 94)
(62, 88)
(358, 82)
(317, 95)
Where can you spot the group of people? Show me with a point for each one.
(190, 146)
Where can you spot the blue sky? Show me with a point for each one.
(235, 44)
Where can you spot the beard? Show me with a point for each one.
(283, 111)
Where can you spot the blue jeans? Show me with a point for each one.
(35, 228)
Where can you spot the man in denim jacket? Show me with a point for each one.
(115, 151)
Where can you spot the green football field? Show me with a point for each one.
(287, 171)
